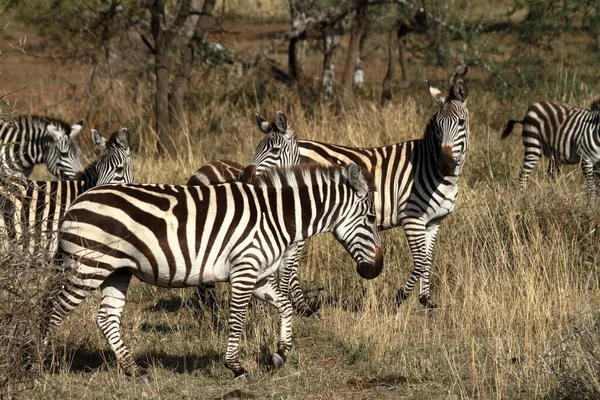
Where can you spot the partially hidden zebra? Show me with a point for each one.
(31, 140)
(565, 134)
(31, 210)
(181, 236)
(416, 185)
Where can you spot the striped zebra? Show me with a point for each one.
(31, 140)
(416, 185)
(31, 210)
(565, 134)
(181, 236)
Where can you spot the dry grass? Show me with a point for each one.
(516, 276)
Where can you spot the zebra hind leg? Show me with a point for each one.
(268, 292)
(114, 291)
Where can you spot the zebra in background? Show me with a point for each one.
(181, 236)
(416, 184)
(277, 148)
(31, 140)
(31, 210)
(565, 134)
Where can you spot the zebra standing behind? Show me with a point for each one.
(31, 210)
(565, 134)
(181, 236)
(31, 140)
(416, 184)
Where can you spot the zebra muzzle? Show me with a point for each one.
(446, 162)
(371, 270)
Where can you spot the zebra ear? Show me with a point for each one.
(75, 129)
(459, 91)
(357, 180)
(436, 94)
(123, 138)
(263, 125)
(98, 140)
(55, 132)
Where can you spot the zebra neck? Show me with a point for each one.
(89, 177)
(308, 211)
(428, 150)
(33, 146)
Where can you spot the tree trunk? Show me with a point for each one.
(402, 50)
(356, 33)
(297, 46)
(386, 92)
(162, 121)
(178, 118)
(330, 43)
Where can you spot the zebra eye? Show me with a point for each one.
(371, 219)
(275, 150)
(461, 121)
(119, 170)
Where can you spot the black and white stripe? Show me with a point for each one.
(416, 184)
(31, 210)
(31, 140)
(179, 236)
(565, 134)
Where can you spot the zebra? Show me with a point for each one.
(31, 140)
(416, 186)
(565, 134)
(181, 236)
(31, 210)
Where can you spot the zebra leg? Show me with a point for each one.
(114, 290)
(289, 283)
(266, 291)
(430, 237)
(59, 303)
(417, 241)
(243, 279)
(533, 153)
(551, 167)
(588, 173)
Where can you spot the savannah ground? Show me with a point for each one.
(516, 276)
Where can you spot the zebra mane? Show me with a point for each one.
(595, 106)
(287, 176)
(41, 119)
(89, 172)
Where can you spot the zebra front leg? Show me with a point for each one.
(417, 241)
(114, 291)
(587, 167)
(266, 291)
(430, 237)
(243, 279)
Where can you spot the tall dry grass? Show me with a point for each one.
(516, 276)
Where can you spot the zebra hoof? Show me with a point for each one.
(146, 378)
(243, 377)
(427, 303)
(400, 297)
(277, 361)
(315, 315)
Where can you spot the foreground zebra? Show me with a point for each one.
(31, 210)
(565, 134)
(416, 185)
(179, 236)
(31, 140)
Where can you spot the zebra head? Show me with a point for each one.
(114, 164)
(356, 225)
(63, 156)
(449, 127)
(278, 147)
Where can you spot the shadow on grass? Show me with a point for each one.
(87, 360)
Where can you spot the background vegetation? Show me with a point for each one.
(516, 276)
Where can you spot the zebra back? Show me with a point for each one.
(31, 140)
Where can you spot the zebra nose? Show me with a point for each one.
(371, 270)
(446, 162)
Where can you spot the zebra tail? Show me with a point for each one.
(509, 127)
